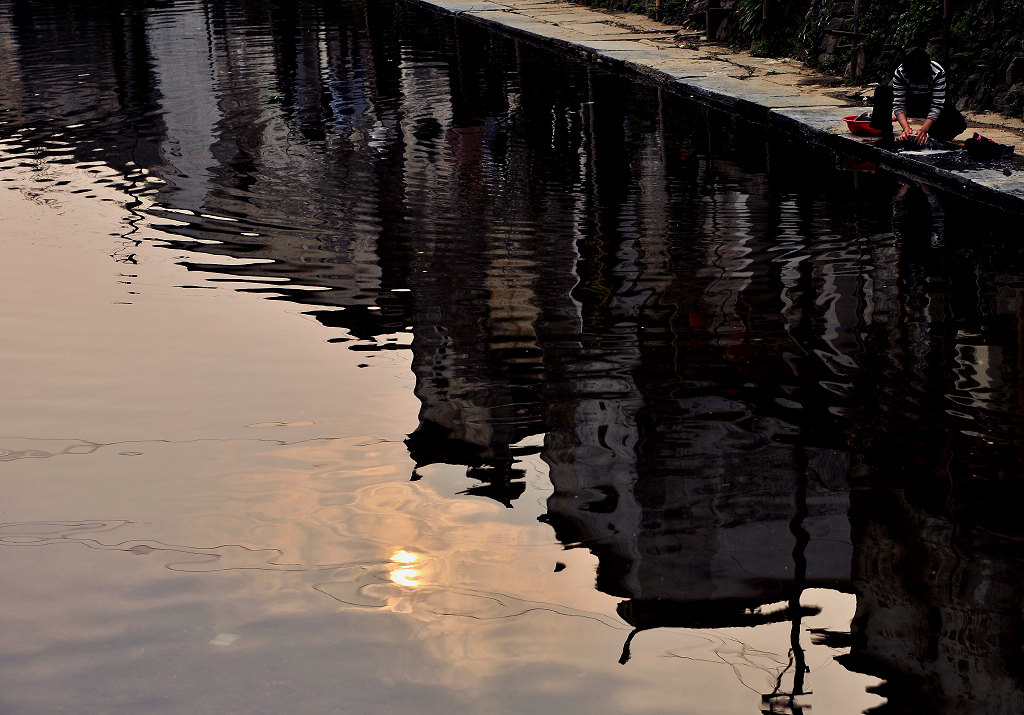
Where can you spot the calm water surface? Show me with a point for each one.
(358, 360)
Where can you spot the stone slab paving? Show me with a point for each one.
(780, 92)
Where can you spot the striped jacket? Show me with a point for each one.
(931, 94)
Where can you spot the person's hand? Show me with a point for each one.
(907, 133)
(922, 137)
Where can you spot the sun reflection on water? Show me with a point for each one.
(404, 557)
(406, 576)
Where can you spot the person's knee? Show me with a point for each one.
(953, 122)
(953, 116)
(949, 125)
(960, 123)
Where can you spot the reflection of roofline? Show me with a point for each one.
(435, 443)
(432, 443)
(715, 613)
(903, 690)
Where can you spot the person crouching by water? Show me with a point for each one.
(918, 90)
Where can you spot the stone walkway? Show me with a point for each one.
(780, 92)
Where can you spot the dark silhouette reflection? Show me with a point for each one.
(748, 373)
(918, 214)
(98, 74)
(939, 594)
(938, 543)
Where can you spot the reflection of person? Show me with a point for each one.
(918, 90)
(913, 220)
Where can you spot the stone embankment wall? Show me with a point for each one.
(980, 42)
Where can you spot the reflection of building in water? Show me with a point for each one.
(938, 563)
(697, 515)
(186, 81)
(939, 597)
(482, 284)
(106, 85)
(11, 90)
(267, 88)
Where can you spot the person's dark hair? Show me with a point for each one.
(917, 63)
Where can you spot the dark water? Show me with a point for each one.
(749, 373)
